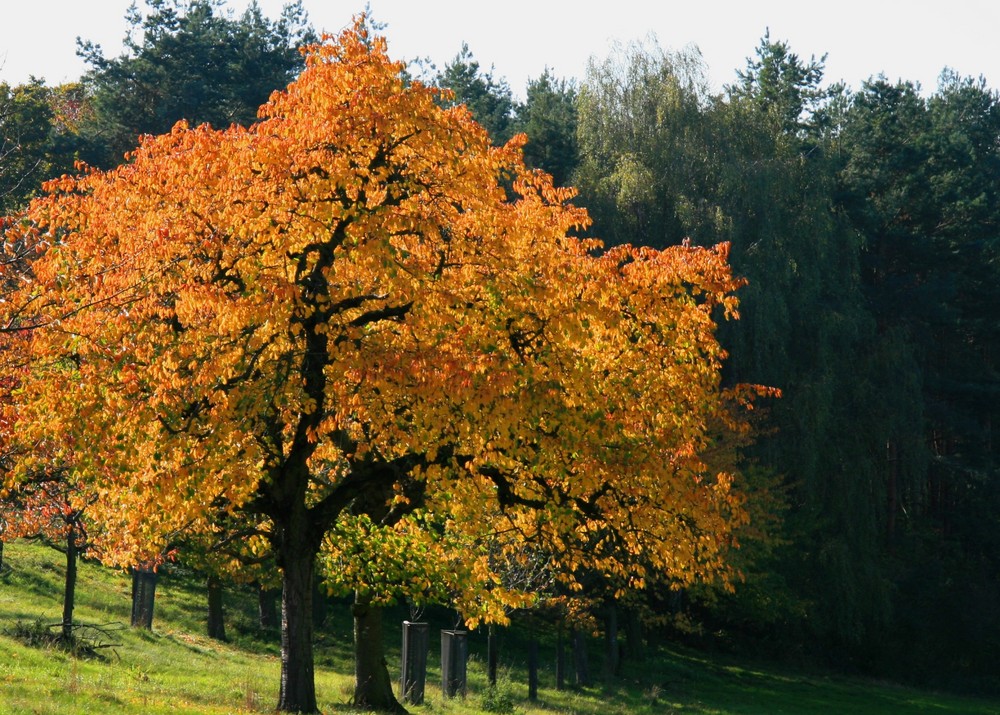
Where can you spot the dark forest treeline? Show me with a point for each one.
(866, 221)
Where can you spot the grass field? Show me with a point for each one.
(175, 669)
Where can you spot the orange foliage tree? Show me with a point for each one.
(359, 306)
(48, 507)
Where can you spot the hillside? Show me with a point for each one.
(174, 669)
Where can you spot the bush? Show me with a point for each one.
(498, 698)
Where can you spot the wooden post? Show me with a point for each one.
(414, 670)
(143, 596)
(454, 654)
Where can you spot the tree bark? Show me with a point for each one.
(298, 684)
(69, 590)
(372, 685)
(216, 615)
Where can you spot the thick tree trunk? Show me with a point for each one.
(216, 615)
(69, 590)
(298, 684)
(143, 596)
(372, 685)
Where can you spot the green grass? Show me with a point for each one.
(174, 669)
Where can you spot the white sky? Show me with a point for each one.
(912, 40)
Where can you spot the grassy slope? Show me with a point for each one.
(176, 670)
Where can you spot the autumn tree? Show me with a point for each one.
(46, 503)
(361, 307)
(423, 558)
(48, 507)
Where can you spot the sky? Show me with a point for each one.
(519, 39)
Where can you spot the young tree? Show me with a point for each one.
(49, 507)
(359, 305)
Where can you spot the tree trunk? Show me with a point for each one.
(612, 656)
(581, 664)
(267, 608)
(216, 616)
(533, 669)
(491, 654)
(1, 556)
(372, 685)
(892, 487)
(298, 683)
(560, 657)
(143, 596)
(635, 649)
(69, 590)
